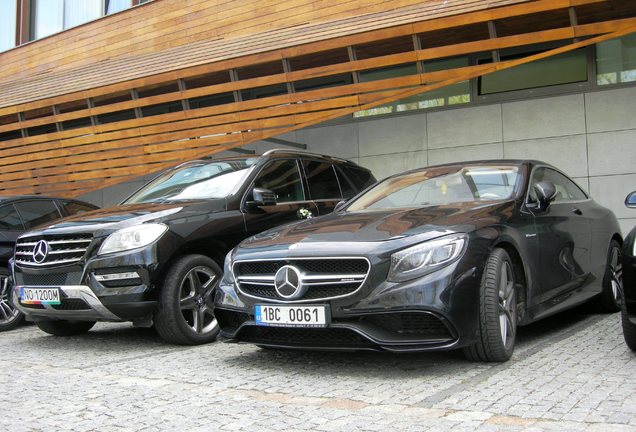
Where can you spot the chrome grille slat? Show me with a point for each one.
(63, 249)
(325, 278)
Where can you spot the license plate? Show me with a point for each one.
(290, 316)
(40, 296)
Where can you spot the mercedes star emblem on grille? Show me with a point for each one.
(40, 251)
(288, 283)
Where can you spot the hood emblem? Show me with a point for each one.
(288, 282)
(40, 251)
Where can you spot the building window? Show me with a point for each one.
(616, 60)
(78, 12)
(450, 95)
(48, 17)
(113, 6)
(566, 68)
(52, 16)
(8, 18)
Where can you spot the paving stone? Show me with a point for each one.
(571, 373)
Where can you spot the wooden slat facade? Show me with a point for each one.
(88, 121)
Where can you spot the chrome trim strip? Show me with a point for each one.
(47, 263)
(64, 251)
(27, 244)
(257, 278)
(53, 242)
(336, 276)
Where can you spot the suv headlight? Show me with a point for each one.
(426, 257)
(133, 237)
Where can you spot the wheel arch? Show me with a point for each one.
(212, 248)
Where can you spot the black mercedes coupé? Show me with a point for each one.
(451, 256)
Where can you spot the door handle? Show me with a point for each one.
(577, 211)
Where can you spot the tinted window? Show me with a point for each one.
(10, 219)
(283, 178)
(73, 208)
(36, 213)
(566, 189)
(323, 183)
(356, 180)
(196, 180)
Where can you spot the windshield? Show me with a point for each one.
(440, 186)
(198, 180)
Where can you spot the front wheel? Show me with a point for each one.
(10, 317)
(185, 313)
(497, 311)
(65, 328)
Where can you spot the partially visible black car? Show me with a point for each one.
(17, 215)
(628, 315)
(451, 256)
(156, 259)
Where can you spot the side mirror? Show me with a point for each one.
(263, 197)
(546, 193)
(340, 205)
(630, 201)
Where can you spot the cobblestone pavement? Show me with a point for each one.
(572, 372)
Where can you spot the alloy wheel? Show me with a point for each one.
(507, 304)
(616, 269)
(8, 312)
(197, 288)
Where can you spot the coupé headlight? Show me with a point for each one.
(426, 257)
(133, 237)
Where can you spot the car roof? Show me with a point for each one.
(9, 198)
(273, 153)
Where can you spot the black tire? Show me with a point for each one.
(185, 314)
(10, 317)
(65, 328)
(629, 331)
(611, 297)
(497, 311)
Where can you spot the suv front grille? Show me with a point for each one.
(48, 279)
(51, 250)
(322, 278)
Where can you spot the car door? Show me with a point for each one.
(324, 188)
(564, 239)
(11, 228)
(284, 178)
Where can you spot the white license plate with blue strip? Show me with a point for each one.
(291, 316)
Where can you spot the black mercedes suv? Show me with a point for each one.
(156, 259)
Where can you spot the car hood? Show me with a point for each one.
(386, 225)
(104, 221)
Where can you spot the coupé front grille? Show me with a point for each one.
(323, 278)
(51, 250)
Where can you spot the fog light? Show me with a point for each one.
(116, 276)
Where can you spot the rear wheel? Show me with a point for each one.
(497, 311)
(65, 328)
(10, 317)
(612, 294)
(185, 313)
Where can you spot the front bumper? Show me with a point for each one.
(86, 293)
(77, 303)
(438, 311)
